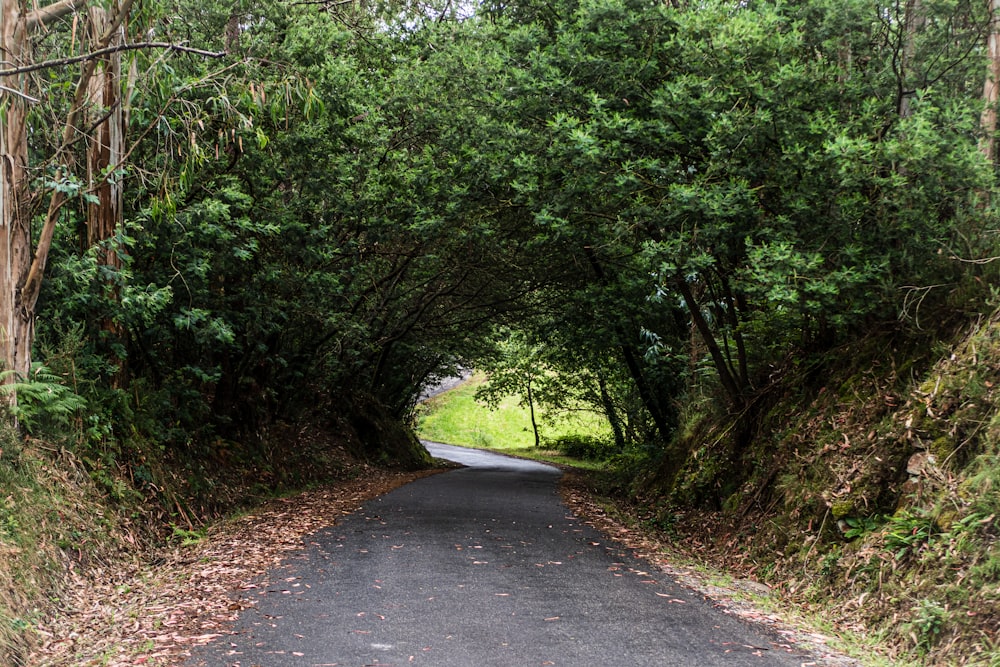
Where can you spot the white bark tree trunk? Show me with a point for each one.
(991, 88)
(913, 21)
(17, 256)
(106, 146)
(16, 325)
(105, 152)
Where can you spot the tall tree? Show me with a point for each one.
(108, 121)
(23, 265)
(991, 87)
(94, 99)
(15, 230)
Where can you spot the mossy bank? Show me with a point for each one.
(870, 494)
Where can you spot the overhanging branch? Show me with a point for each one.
(100, 53)
(52, 12)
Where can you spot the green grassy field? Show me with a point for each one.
(456, 418)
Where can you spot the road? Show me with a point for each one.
(478, 567)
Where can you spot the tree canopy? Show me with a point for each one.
(243, 212)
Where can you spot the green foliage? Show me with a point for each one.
(727, 153)
(518, 369)
(43, 404)
(588, 180)
(665, 214)
(584, 447)
(928, 624)
(907, 532)
(185, 537)
(862, 526)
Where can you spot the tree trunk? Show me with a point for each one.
(106, 146)
(16, 322)
(105, 151)
(991, 88)
(730, 383)
(233, 30)
(22, 266)
(18, 291)
(531, 410)
(54, 12)
(913, 20)
(611, 413)
(649, 399)
(742, 369)
(64, 157)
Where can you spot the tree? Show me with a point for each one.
(517, 369)
(95, 96)
(668, 198)
(991, 87)
(23, 265)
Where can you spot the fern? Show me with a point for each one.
(42, 402)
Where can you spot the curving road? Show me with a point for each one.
(478, 567)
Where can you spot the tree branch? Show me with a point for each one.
(325, 3)
(100, 53)
(52, 12)
(23, 96)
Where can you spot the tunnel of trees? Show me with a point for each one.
(220, 215)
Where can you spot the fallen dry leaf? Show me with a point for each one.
(181, 597)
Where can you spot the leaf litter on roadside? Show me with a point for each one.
(152, 612)
(576, 494)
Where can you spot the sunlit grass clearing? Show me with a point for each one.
(456, 418)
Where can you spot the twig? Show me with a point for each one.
(819, 536)
(915, 302)
(984, 260)
(19, 94)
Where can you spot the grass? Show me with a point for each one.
(456, 418)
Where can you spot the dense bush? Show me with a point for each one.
(585, 447)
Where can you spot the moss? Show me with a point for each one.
(842, 508)
(986, 572)
(385, 439)
(945, 520)
(942, 447)
(732, 503)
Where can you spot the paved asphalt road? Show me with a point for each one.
(480, 567)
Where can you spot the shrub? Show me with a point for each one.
(585, 447)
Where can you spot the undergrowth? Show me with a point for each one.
(52, 521)
(72, 510)
(872, 498)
